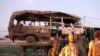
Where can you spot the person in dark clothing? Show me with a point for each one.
(83, 43)
(63, 41)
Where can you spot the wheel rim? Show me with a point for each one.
(30, 39)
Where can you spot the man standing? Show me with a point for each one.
(83, 43)
(72, 49)
(94, 45)
(62, 42)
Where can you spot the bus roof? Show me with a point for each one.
(43, 15)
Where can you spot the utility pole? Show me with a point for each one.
(84, 20)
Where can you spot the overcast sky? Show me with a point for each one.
(81, 8)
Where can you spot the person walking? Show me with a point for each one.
(94, 45)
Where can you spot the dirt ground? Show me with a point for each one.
(6, 41)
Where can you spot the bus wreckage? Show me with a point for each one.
(39, 28)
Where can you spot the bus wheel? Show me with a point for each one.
(30, 39)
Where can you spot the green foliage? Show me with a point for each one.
(12, 50)
(9, 50)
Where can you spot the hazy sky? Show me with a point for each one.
(81, 8)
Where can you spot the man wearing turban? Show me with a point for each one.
(71, 49)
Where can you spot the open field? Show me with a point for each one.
(8, 48)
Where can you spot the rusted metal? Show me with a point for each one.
(41, 34)
(31, 15)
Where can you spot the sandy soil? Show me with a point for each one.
(7, 41)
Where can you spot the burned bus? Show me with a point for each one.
(35, 26)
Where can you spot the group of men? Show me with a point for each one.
(78, 46)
